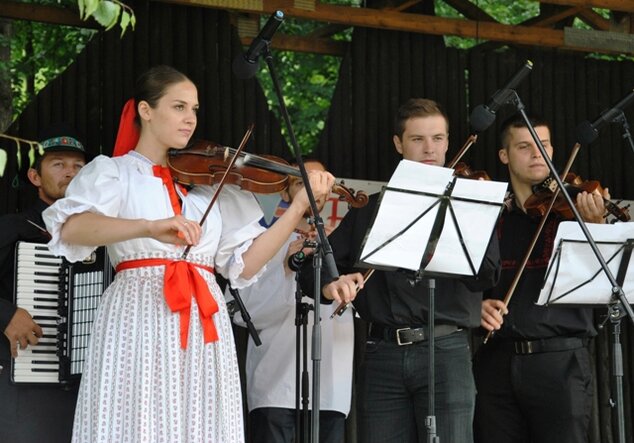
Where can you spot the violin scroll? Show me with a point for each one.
(356, 199)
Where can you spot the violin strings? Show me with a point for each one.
(264, 163)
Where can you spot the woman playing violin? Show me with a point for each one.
(161, 364)
(533, 377)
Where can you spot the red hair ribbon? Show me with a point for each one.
(128, 134)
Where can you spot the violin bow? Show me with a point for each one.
(343, 306)
(222, 181)
(540, 227)
(470, 142)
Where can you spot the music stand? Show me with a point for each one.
(452, 218)
(575, 278)
(574, 275)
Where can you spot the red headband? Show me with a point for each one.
(128, 135)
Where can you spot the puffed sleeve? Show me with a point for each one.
(241, 214)
(96, 188)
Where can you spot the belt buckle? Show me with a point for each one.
(524, 347)
(398, 337)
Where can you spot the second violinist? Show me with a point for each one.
(533, 378)
(271, 372)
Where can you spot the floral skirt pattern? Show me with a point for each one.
(138, 385)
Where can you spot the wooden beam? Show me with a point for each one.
(396, 21)
(403, 6)
(594, 20)
(44, 14)
(284, 42)
(469, 10)
(614, 5)
(549, 20)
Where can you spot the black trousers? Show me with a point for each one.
(35, 414)
(277, 425)
(544, 397)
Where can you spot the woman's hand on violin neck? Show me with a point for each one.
(591, 206)
(321, 183)
(491, 314)
(176, 230)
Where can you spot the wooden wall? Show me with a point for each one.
(385, 68)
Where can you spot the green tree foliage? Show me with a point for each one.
(38, 53)
(307, 81)
(510, 12)
(107, 13)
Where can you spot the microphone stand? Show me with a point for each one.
(615, 314)
(430, 420)
(323, 247)
(618, 307)
(301, 376)
(626, 128)
(245, 316)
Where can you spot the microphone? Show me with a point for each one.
(483, 116)
(296, 261)
(246, 65)
(588, 132)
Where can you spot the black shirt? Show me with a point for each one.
(14, 227)
(525, 319)
(390, 298)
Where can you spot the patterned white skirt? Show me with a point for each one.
(138, 384)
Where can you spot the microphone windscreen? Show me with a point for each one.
(244, 69)
(481, 118)
(586, 133)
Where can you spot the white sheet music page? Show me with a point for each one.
(475, 203)
(577, 277)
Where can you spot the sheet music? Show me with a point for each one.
(475, 217)
(575, 276)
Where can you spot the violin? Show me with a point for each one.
(463, 170)
(539, 201)
(205, 163)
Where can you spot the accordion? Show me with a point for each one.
(62, 298)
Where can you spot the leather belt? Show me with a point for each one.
(554, 344)
(406, 335)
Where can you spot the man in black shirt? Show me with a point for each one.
(32, 414)
(392, 402)
(533, 377)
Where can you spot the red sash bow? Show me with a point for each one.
(182, 281)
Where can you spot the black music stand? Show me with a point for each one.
(427, 205)
(575, 278)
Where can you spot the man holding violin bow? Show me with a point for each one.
(533, 377)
